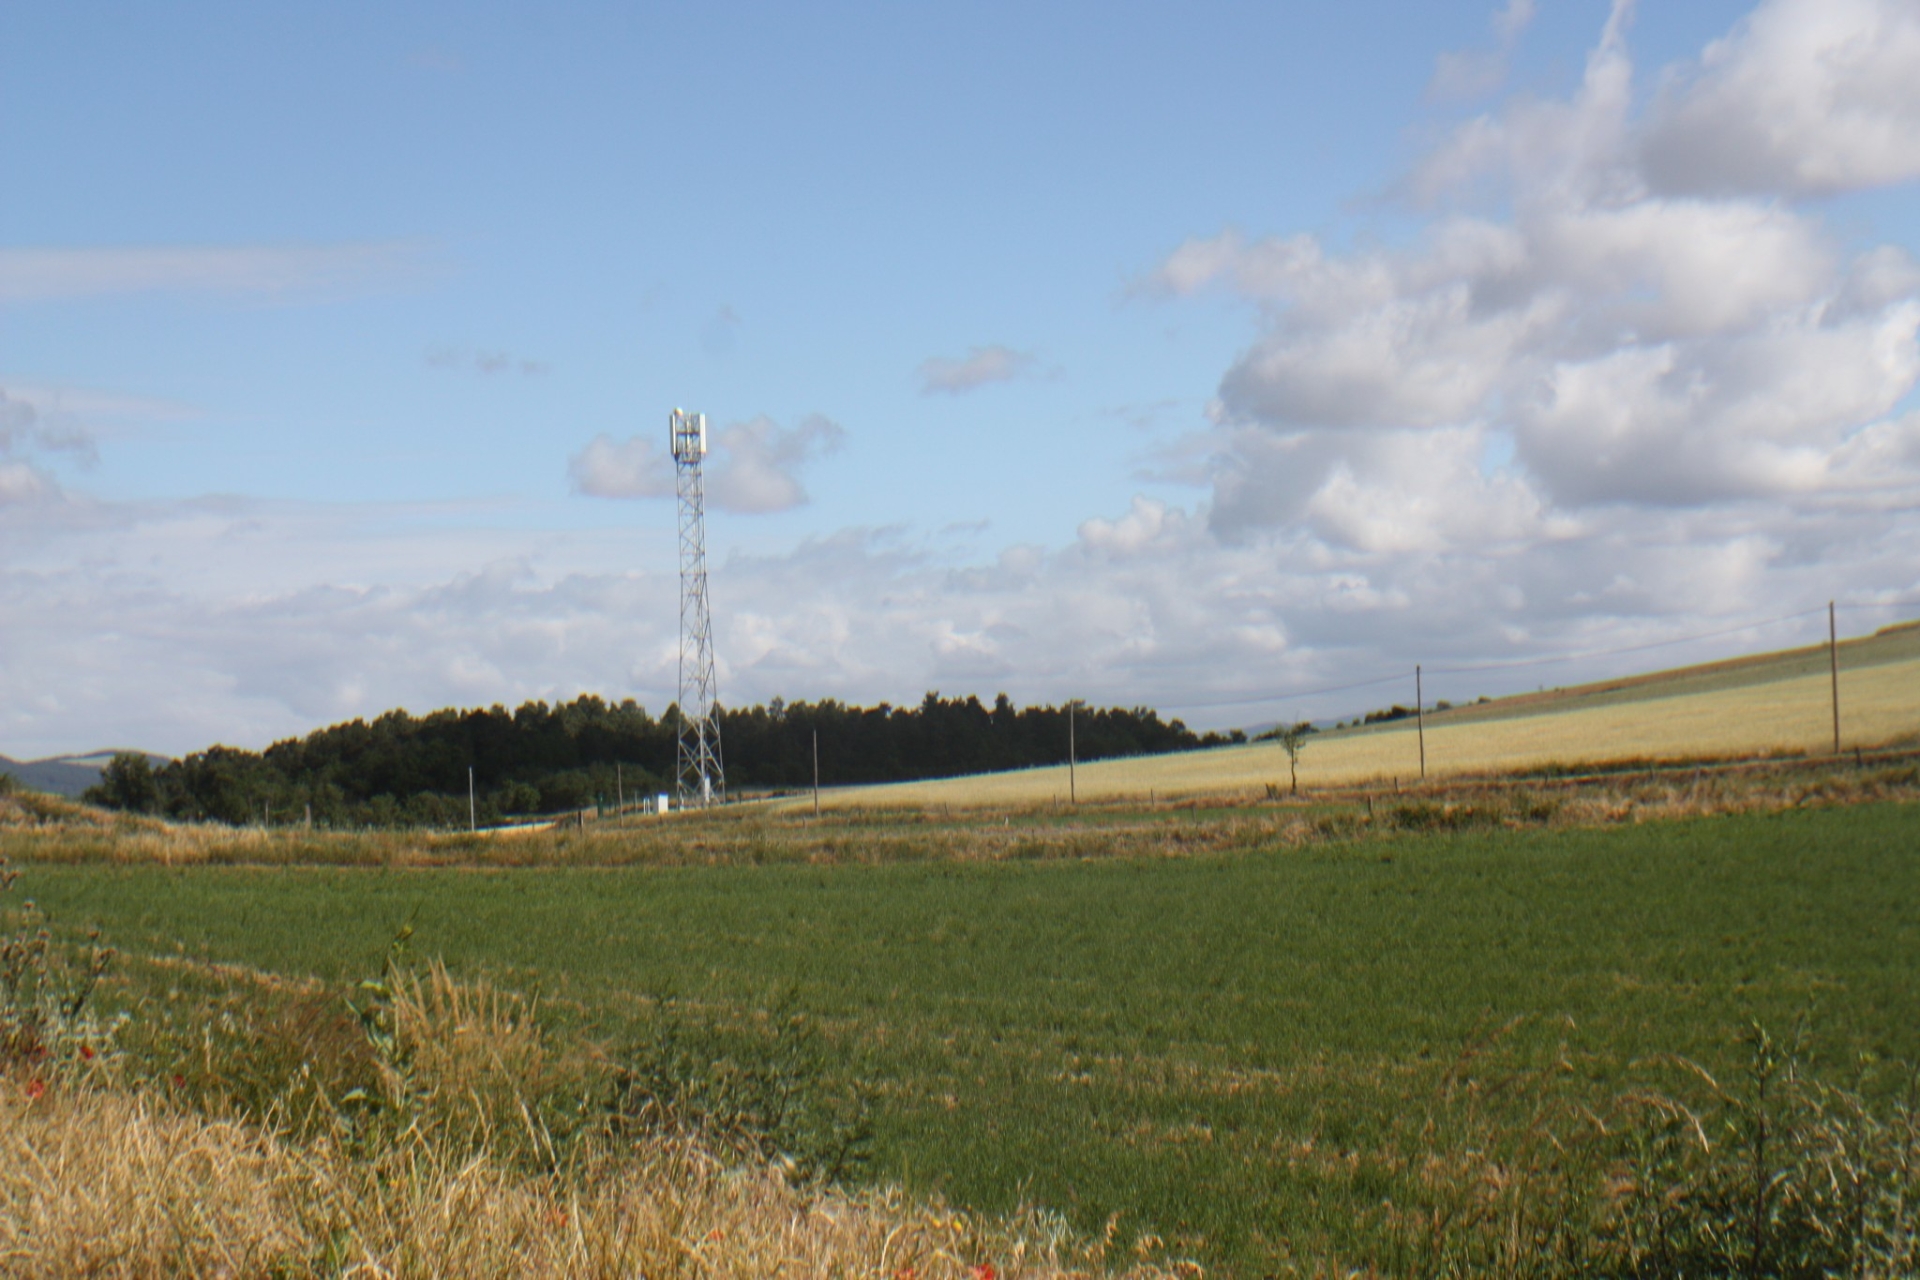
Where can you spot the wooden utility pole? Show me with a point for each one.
(1073, 793)
(816, 773)
(1420, 720)
(1833, 668)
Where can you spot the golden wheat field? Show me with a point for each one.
(1879, 704)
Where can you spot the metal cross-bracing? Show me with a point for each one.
(701, 780)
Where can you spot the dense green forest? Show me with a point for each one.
(403, 770)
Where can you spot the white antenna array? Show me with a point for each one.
(701, 780)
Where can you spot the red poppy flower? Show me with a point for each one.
(86, 1052)
(36, 1089)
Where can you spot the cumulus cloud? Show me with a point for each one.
(982, 366)
(637, 467)
(755, 466)
(761, 462)
(1629, 343)
(1802, 97)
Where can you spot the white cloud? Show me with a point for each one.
(21, 482)
(28, 437)
(38, 275)
(756, 465)
(1634, 347)
(1473, 73)
(761, 462)
(980, 367)
(637, 467)
(1803, 97)
(1540, 150)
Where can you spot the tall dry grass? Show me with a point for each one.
(107, 1182)
(448, 1167)
(104, 1182)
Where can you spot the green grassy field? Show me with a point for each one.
(1230, 1050)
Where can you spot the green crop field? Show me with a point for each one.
(1242, 1052)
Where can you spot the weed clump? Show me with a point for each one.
(47, 1022)
(1778, 1174)
(761, 1092)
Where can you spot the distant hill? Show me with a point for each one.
(1759, 705)
(63, 775)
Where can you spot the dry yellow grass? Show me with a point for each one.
(99, 1178)
(1879, 704)
(104, 1182)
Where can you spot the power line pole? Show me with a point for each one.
(473, 810)
(1420, 720)
(700, 780)
(1073, 790)
(816, 773)
(1833, 667)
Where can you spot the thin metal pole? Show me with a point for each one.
(1833, 667)
(619, 789)
(1073, 790)
(816, 773)
(473, 811)
(1420, 720)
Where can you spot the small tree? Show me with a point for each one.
(1293, 741)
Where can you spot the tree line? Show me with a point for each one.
(404, 770)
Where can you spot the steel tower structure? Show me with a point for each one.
(701, 780)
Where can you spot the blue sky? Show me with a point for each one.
(1198, 355)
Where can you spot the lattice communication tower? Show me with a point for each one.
(701, 780)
